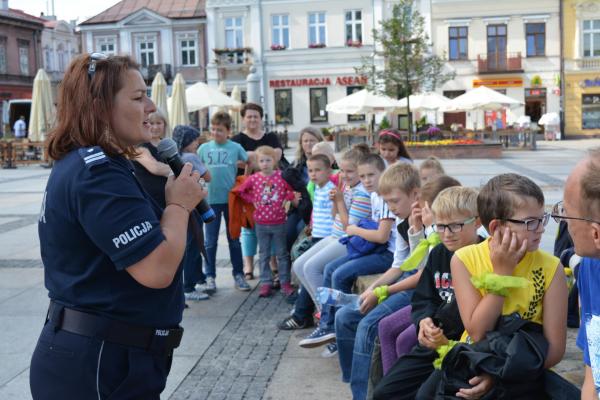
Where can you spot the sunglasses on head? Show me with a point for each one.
(92, 66)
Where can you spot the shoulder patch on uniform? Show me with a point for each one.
(93, 156)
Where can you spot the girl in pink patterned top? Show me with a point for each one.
(269, 193)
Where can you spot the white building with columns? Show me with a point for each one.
(305, 52)
(60, 44)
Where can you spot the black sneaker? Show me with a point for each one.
(290, 324)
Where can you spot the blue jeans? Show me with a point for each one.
(192, 263)
(341, 273)
(355, 335)
(212, 237)
(270, 236)
(294, 225)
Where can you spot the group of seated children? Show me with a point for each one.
(465, 304)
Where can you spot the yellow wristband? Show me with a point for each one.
(381, 292)
(180, 205)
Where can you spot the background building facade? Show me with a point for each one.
(581, 46)
(163, 36)
(511, 46)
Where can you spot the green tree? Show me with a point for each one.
(403, 44)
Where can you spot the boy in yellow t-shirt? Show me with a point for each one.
(511, 208)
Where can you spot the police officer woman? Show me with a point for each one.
(111, 255)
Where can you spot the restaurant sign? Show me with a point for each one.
(322, 81)
(498, 82)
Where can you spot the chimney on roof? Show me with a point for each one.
(4, 5)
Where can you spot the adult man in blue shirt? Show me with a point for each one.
(581, 210)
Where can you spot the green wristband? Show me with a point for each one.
(381, 292)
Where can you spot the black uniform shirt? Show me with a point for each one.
(96, 220)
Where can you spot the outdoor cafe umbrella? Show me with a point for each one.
(428, 101)
(235, 113)
(159, 92)
(222, 89)
(178, 109)
(362, 102)
(200, 95)
(481, 98)
(549, 119)
(42, 107)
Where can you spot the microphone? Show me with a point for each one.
(167, 151)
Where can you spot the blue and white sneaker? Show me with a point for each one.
(317, 338)
(330, 351)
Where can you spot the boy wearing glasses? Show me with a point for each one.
(434, 308)
(511, 207)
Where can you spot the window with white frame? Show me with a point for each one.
(316, 29)
(234, 33)
(353, 27)
(107, 45)
(62, 59)
(280, 31)
(188, 49)
(2, 54)
(146, 49)
(591, 38)
(24, 56)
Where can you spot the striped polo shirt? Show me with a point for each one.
(322, 219)
(358, 204)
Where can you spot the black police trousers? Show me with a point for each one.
(70, 366)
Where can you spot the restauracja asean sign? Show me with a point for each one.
(297, 82)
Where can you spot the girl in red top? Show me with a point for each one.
(269, 193)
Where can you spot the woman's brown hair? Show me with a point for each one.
(85, 107)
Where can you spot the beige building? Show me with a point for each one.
(512, 46)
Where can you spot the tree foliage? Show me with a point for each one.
(403, 44)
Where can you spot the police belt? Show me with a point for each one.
(102, 328)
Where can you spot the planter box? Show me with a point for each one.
(486, 150)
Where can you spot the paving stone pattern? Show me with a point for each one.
(241, 361)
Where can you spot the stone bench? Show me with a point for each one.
(363, 282)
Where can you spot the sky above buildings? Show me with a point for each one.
(64, 9)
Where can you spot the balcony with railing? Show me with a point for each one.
(491, 63)
(588, 63)
(233, 58)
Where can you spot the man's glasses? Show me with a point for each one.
(454, 227)
(93, 58)
(531, 224)
(559, 214)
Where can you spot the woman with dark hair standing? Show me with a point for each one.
(111, 255)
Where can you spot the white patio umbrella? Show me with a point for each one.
(42, 107)
(159, 92)
(178, 110)
(222, 89)
(235, 113)
(482, 98)
(425, 101)
(200, 95)
(362, 102)
(549, 119)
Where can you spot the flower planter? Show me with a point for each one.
(455, 151)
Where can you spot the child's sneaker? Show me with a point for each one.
(196, 296)
(211, 286)
(265, 290)
(291, 323)
(331, 350)
(287, 289)
(317, 338)
(240, 283)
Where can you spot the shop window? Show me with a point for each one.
(316, 29)
(590, 111)
(234, 34)
(355, 117)
(354, 28)
(536, 39)
(318, 102)
(280, 31)
(458, 43)
(591, 38)
(283, 106)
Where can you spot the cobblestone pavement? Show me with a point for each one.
(244, 355)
